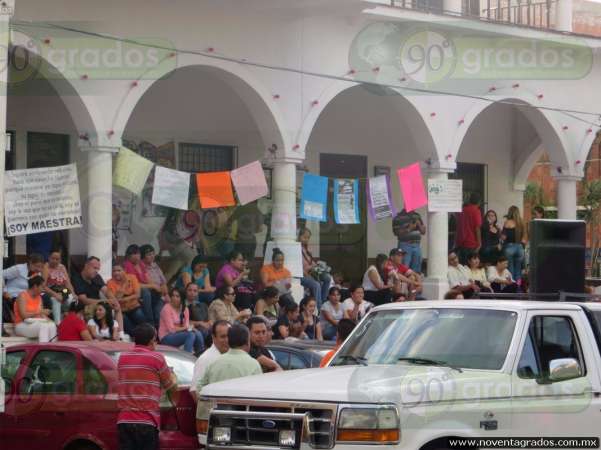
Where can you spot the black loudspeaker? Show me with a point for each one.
(557, 256)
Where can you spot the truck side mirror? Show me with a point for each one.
(564, 369)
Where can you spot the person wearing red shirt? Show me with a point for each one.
(73, 327)
(468, 239)
(143, 375)
(403, 278)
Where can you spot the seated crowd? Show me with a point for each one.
(44, 300)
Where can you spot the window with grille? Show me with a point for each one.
(206, 158)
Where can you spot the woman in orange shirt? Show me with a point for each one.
(31, 319)
(275, 274)
(126, 289)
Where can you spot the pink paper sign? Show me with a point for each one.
(412, 187)
(250, 182)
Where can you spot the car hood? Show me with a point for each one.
(400, 384)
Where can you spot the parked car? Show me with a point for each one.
(63, 396)
(299, 354)
(420, 375)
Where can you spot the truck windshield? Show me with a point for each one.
(458, 337)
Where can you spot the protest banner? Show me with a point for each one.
(44, 199)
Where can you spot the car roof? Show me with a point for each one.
(103, 346)
(508, 305)
(593, 306)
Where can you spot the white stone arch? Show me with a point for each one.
(260, 102)
(522, 172)
(585, 148)
(83, 108)
(408, 112)
(543, 122)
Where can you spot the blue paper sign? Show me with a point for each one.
(314, 199)
(346, 202)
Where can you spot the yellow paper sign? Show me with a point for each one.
(131, 171)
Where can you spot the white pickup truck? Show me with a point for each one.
(418, 375)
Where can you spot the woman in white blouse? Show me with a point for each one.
(477, 273)
(376, 291)
(500, 278)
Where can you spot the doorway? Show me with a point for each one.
(474, 177)
(344, 247)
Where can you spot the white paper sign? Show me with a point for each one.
(171, 188)
(445, 195)
(44, 199)
(293, 257)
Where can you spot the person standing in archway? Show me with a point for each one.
(409, 228)
(469, 234)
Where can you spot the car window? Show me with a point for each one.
(183, 366)
(549, 338)
(181, 363)
(463, 337)
(282, 358)
(296, 362)
(51, 372)
(10, 367)
(94, 382)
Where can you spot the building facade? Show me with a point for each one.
(341, 88)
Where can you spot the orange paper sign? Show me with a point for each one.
(215, 189)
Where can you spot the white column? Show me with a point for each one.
(452, 7)
(283, 220)
(435, 284)
(563, 15)
(100, 211)
(567, 197)
(283, 217)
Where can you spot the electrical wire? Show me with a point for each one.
(568, 112)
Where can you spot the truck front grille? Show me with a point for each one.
(258, 424)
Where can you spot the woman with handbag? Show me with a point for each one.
(58, 283)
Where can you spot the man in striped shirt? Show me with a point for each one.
(143, 372)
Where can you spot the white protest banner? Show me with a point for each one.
(445, 195)
(44, 199)
(171, 188)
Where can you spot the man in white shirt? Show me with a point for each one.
(220, 346)
(459, 277)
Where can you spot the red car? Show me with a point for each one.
(63, 396)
